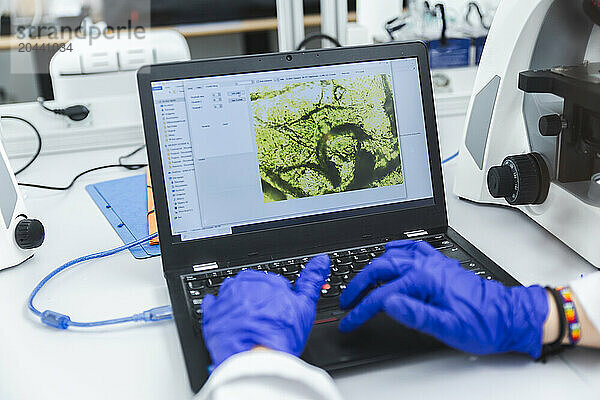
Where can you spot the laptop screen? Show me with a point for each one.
(254, 151)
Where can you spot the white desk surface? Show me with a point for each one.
(134, 362)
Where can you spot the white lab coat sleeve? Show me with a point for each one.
(268, 375)
(587, 291)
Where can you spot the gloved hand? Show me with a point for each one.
(262, 309)
(433, 294)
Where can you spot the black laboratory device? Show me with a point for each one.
(578, 127)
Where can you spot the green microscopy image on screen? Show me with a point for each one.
(326, 136)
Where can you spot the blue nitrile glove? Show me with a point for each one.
(433, 294)
(262, 309)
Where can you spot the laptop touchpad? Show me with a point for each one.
(379, 339)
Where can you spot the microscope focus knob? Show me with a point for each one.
(521, 179)
(29, 234)
(551, 125)
(500, 181)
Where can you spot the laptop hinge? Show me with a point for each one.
(205, 267)
(413, 234)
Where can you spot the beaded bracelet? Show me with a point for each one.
(570, 314)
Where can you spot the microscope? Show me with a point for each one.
(19, 235)
(532, 138)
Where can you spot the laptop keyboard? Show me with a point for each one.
(345, 264)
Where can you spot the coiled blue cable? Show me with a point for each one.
(62, 321)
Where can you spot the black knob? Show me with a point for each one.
(29, 234)
(521, 179)
(501, 182)
(551, 125)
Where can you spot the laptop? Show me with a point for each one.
(261, 162)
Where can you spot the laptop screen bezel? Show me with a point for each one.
(262, 245)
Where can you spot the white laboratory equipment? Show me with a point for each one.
(19, 234)
(532, 139)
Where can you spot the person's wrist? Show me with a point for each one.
(552, 323)
(260, 348)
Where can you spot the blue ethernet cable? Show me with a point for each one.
(62, 321)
